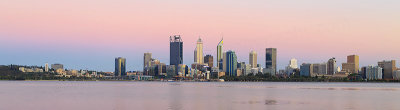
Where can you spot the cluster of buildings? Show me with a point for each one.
(386, 70)
(59, 70)
(227, 64)
(203, 66)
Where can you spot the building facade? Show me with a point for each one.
(230, 63)
(253, 59)
(396, 75)
(270, 58)
(46, 67)
(209, 60)
(373, 72)
(120, 67)
(220, 54)
(57, 66)
(388, 68)
(198, 54)
(176, 50)
(146, 60)
(352, 64)
(306, 69)
(291, 67)
(331, 66)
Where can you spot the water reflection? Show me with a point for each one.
(197, 96)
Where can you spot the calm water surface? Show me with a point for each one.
(91, 95)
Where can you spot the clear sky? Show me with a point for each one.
(89, 34)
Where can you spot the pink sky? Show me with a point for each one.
(73, 31)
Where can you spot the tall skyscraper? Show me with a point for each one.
(120, 67)
(270, 58)
(253, 59)
(388, 68)
(198, 56)
(46, 67)
(208, 59)
(220, 51)
(230, 63)
(352, 64)
(331, 67)
(146, 60)
(175, 50)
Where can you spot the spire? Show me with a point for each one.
(199, 40)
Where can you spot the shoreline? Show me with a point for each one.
(210, 81)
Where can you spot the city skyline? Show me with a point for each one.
(279, 66)
(86, 37)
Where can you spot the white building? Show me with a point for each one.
(291, 67)
(253, 59)
(198, 52)
(46, 67)
(396, 75)
(373, 72)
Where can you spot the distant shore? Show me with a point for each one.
(380, 81)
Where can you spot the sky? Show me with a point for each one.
(89, 34)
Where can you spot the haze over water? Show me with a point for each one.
(114, 95)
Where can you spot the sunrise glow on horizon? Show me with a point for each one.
(89, 34)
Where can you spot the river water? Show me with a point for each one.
(131, 95)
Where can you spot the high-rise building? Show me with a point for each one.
(331, 66)
(175, 50)
(253, 59)
(293, 63)
(230, 63)
(120, 67)
(198, 56)
(146, 60)
(46, 67)
(220, 48)
(208, 59)
(291, 67)
(270, 58)
(57, 66)
(388, 68)
(373, 72)
(306, 69)
(352, 64)
(320, 68)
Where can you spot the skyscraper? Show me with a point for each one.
(352, 64)
(220, 48)
(120, 67)
(175, 50)
(270, 58)
(208, 59)
(388, 68)
(253, 59)
(146, 60)
(331, 66)
(198, 56)
(230, 63)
